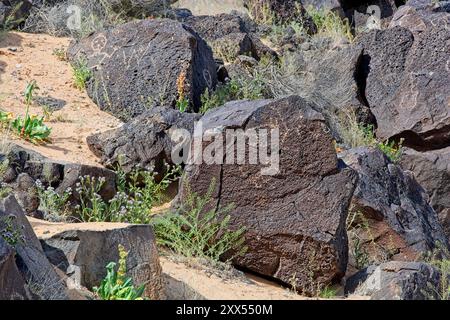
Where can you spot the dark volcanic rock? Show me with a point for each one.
(396, 281)
(283, 11)
(403, 225)
(34, 266)
(12, 284)
(13, 12)
(228, 35)
(294, 219)
(82, 251)
(419, 15)
(137, 65)
(408, 85)
(25, 167)
(144, 142)
(432, 170)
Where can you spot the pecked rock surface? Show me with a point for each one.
(144, 142)
(137, 65)
(402, 224)
(419, 15)
(408, 84)
(82, 251)
(295, 219)
(432, 170)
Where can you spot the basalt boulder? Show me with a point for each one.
(419, 15)
(397, 280)
(432, 170)
(145, 142)
(408, 85)
(293, 205)
(390, 216)
(35, 269)
(26, 168)
(228, 35)
(82, 251)
(11, 281)
(282, 11)
(13, 12)
(144, 64)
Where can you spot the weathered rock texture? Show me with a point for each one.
(399, 224)
(25, 167)
(282, 11)
(420, 15)
(12, 284)
(13, 12)
(408, 85)
(432, 170)
(144, 142)
(228, 35)
(295, 219)
(143, 64)
(35, 269)
(397, 281)
(83, 250)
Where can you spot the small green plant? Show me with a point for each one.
(60, 53)
(330, 24)
(136, 196)
(327, 293)
(197, 230)
(235, 89)
(92, 208)
(31, 127)
(116, 285)
(81, 73)
(4, 191)
(354, 135)
(182, 103)
(9, 232)
(54, 205)
(440, 259)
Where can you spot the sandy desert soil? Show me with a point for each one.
(24, 57)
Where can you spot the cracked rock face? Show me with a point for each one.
(144, 142)
(83, 250)
(295, 219)
(432, 170)
(402, 224)
(140, 64)
(396, 280)
(408, 82)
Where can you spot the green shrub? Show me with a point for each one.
(54, 205)
(81, 73)
(327, 293)
(198, 230)
(136, 196)
(251, 88)
(31, 128)
(354, 134)
(440, 259)
(330, 24)
(9, 232)
(116, 285)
